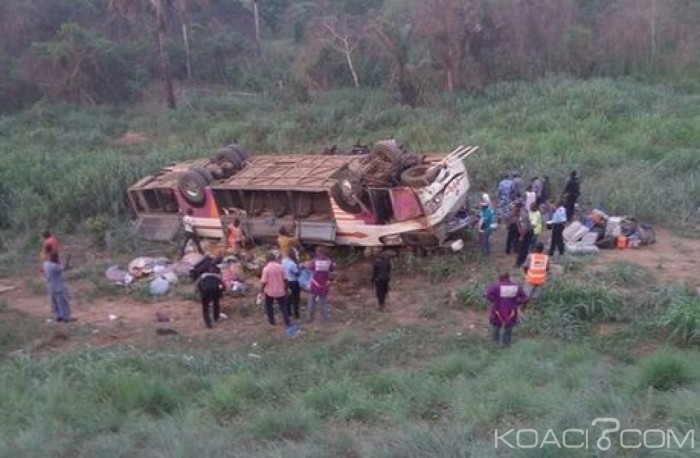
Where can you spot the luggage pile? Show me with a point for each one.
(599, 230)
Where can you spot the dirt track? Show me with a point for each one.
(671, 259)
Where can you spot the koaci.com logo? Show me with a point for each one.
(610, 435)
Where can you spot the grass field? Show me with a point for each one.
(614, 342)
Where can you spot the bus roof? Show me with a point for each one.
(296, 172)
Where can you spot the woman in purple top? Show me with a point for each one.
(321, 267)
(505, 297)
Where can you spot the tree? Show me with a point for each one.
(343, 35)
(162, 12)
(182, 17)
(447, 26)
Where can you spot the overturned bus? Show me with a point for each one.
(322, 199)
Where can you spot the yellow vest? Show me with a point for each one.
(537, 270)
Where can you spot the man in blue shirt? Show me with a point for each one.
(290, 264)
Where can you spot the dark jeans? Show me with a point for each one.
(210, 298)
(507, 335)
(557, 239)
(524, 248)
(284, 308)
(381, 288)
(194, 237)
(293, 298)
(512, 239)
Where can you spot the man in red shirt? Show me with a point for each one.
(274, 288)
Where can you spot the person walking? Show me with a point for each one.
(190, 232)
(381, 276)
(58, 291)
(274, 288)
(290, 264)
(505, 297)
(513, 233)
(321, 267)
(536, 267)
(525, 232)
(530, 197)
(557, 223)
(485, 228)
(572, 191)
(210, 288)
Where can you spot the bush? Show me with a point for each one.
(665, 370)
(682, 318)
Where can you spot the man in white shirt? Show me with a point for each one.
(558, 221)
(190, 232)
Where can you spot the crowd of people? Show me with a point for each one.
(525, 210)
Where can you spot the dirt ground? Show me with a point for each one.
(412, 301)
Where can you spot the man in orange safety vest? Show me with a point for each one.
(536, 267)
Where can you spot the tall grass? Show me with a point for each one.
(302, 399)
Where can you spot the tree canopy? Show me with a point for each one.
(92, 51)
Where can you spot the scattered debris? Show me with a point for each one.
(5, 289)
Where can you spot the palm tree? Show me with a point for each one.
(162, 11)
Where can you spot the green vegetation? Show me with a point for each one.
(312, 397)
(62, 165)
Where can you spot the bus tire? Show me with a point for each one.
(387, 151)
(418, 176)
(421, 239)
(206, 174)
(191, 185)
(346, 203)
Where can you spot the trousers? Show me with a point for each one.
(210, 302)
(557, 239)
(507, 334)
(322, 301)
(294, 297)
(60, 305)
(381, 288)
(284, 308)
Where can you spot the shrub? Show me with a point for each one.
(292, 422)
(682, 318)
(665, 370)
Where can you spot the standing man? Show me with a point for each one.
(321, 267)
(190, 232)
(381, 276)
(274, 288)
(513, 234)
(505, 188)
(58, 291)
(505, 297)
(572, 191)
(537, 185)
(525, 231)
(286, 242)
(536, 267)
(518, 186)
(485, 228)
(210, 288)
(290, 264)
(557, 222)
(535, 216)
(545, 192)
